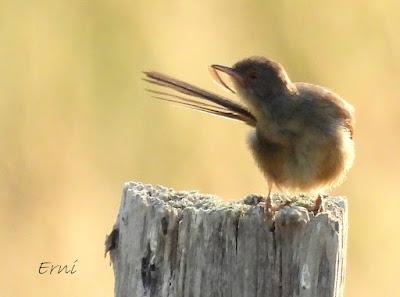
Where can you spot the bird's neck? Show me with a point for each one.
(271, 106)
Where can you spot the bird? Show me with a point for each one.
(301, 134)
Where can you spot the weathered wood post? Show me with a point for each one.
(184, 244)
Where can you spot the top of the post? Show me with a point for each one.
(157, 195)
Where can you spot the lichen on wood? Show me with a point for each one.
(169, 243)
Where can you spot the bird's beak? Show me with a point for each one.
(227, 70)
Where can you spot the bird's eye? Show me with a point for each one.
(253, 75)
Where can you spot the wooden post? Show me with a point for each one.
(184, 244)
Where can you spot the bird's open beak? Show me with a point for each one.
(227, 70)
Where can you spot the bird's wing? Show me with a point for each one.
(332, 104)
(209, 102)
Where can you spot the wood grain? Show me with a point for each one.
(168, 243)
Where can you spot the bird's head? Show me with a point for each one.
(255, 79)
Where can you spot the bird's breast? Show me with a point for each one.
(312, 161)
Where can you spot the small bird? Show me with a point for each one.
(302, 134)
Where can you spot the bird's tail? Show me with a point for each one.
(198, 99)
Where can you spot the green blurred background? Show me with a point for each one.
(76, 122)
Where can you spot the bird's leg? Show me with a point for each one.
(268, 208)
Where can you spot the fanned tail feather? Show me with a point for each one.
(209, 102)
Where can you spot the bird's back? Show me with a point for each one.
(322, 109)
(324, 149)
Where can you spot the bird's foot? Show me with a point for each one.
(270, 208)
(266, 205)
(318, 205)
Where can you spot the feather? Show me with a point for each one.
(223, 107)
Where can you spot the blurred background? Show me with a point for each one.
(76, 123)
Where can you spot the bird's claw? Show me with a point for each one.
(270, 208)
(318, 205)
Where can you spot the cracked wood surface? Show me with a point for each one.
(174, 244)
